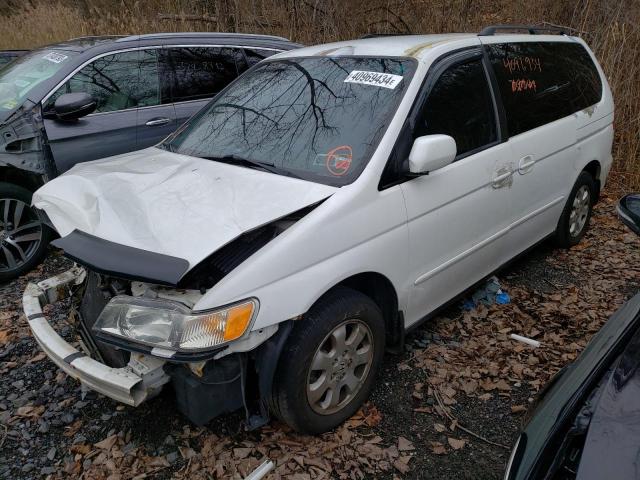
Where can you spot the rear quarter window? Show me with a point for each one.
(255, 55)
(540, 82)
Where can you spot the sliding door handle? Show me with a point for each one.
(525, 165)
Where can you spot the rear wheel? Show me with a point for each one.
(575, 217)
(329, 362)
(23, 235)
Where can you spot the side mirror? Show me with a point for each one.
(72, 106)
(629, 211)
(430, 153)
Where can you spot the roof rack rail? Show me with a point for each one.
(153, 36)
(531, 29)
(376, 35)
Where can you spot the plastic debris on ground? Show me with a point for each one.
(490, 293)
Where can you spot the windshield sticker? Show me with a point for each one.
(9, 105)
(339, 160)
(386, 80)
(55, 57)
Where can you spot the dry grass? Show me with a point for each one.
(612, 28)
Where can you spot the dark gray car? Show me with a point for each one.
(95, 97)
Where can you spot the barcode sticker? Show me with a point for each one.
(386, 80)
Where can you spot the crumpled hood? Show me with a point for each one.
(171, 204)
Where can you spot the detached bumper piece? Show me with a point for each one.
(141, 379)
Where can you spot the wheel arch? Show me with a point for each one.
(22, 178)
(594, 168)
(381, 290)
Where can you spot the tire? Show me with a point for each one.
(574, 221)
(341, 312)
(24, 237)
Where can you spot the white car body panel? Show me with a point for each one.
(171, 204)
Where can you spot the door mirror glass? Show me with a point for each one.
(72, 106)
(430, 153)
(629, 211)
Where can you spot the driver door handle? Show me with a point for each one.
(154, 122)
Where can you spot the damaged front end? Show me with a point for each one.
(135, 337)
(155, 233)
(141, 378)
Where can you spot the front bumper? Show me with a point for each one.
(141, 379)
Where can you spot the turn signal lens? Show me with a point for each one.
(238, 320)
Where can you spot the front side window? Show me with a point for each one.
(541, 82)
(317, 118)
(194, 73)
(116, 82)
(460, 105)
(20, 77)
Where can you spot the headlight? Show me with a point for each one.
(170, 325)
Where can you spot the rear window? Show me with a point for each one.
(543, 81)
(194, 73)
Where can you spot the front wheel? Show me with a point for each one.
(23, 235)
(329, 363)
(575, 217)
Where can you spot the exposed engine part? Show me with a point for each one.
(98, 290)
(149, 290)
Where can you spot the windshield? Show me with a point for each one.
(316, 118)
(19, 77)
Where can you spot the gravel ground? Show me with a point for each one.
(50, 428)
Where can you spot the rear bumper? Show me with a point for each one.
(141, 379)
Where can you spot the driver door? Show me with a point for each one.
(114, 81)
(457, 215)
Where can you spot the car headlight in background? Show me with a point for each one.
(170, 325)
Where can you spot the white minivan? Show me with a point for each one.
(266, 254)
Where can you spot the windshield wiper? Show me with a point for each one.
(267, 167)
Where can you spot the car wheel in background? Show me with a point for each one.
(329, 363)
(23, 235)
(575, 217)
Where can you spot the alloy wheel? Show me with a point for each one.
(579, 211)
(20, 233)
(340, 367)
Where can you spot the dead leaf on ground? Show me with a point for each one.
(405, 445)
(438, 448)
(456, 443)
(107, 443)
